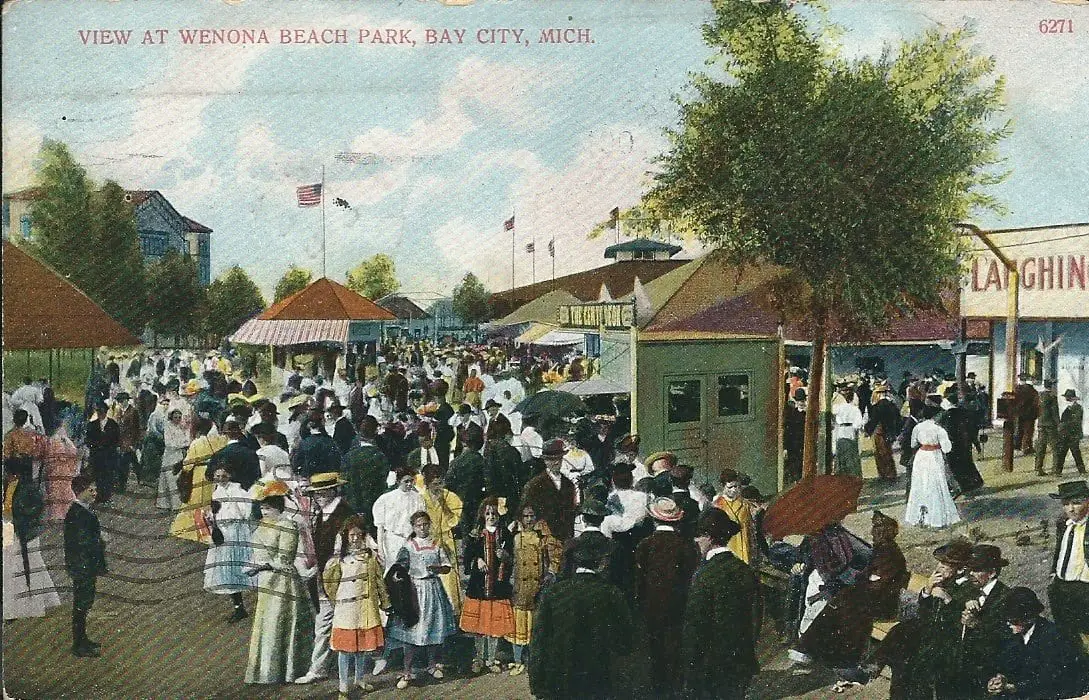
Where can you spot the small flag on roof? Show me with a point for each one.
(530, 247)
(552, 247)
(309, 195)
(508, 225)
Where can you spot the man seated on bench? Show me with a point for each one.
(838, 636)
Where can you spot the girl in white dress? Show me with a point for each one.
(393, 515)
(930, 504)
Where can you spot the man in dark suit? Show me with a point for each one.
(444, 432)
(961, 426)
(552, 494)
(1037, 660)
(1026, 409)
(343, 432)
(128, 423)
(240, 461)
(1049, 425)
(103, 441)
(270, 417)
(467, 427)
(1068, 591)
(317, 453)
(593, 513)
(1069, 436)
(85, 559)
(364, 468)
(718, 648)
(983, 623)
(664, 564)
(581, 626)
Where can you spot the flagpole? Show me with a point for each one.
(323, 220)
(533, 258)
(552, 252)
(512, 255)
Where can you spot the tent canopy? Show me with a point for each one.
(594, 386)
(44, 311)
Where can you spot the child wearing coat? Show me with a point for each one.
(489, 563)
(353, 581)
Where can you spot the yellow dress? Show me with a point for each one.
(445, 515)
(196, 459)
(740, 511)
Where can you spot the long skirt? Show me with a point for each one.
(168, 497)
(847, 459)
(930, 504)
(283, 630)
(19, 599)
(882, 454)
(225, 564)
(185, 525)
(523, 627)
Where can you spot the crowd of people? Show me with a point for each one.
(395, 506)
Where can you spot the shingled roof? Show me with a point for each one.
(42, 310)
(326, 300)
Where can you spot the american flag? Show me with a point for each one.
(530, 247)
(508, 225)
(552, 247)
(309, 195)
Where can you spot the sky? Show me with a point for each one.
(454, 139)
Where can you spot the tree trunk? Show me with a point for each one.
(813, 406)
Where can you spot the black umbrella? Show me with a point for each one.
(554, 404)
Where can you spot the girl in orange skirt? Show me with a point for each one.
(489, 562)
(353, 581)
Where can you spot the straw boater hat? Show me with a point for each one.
(325, 480)
(665, 510)
(297, 401)
(192, 387)
(669, 457)
(271, 489)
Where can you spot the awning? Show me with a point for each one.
(594, 386)
(560, 338)
(261, 332)
(534, 332)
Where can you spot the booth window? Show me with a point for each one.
(733, 395)
(1032, 362)
(684, 401)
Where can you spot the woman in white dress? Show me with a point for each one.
(930, 504)
(176, 438)
(393, 515)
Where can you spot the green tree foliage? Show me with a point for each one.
(233, 299)
(294, 280)
(472, 301)
(374, 277)
(89, 235)
(851, 174)
(176, 300)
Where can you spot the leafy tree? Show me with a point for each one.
(233, 299)
(472, 301)
(116, 259)
(176, 300)
(850, 174)
(294, 280)
(88, 235)
(375, 277)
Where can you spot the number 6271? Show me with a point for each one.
(1056, 26)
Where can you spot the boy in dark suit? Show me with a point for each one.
(1037, 660)
(85, 559)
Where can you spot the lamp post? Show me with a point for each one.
(1012, 292)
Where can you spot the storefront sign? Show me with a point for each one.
(611, 315)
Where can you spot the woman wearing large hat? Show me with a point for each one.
(283, 621)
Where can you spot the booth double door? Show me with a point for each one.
(711, 423)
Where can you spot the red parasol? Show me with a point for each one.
(811, 504)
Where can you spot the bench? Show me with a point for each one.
(882, 627)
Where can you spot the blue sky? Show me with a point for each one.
(461, 136)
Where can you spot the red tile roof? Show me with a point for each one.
(42, 310)
(326, 300)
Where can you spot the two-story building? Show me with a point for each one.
(160, 226)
